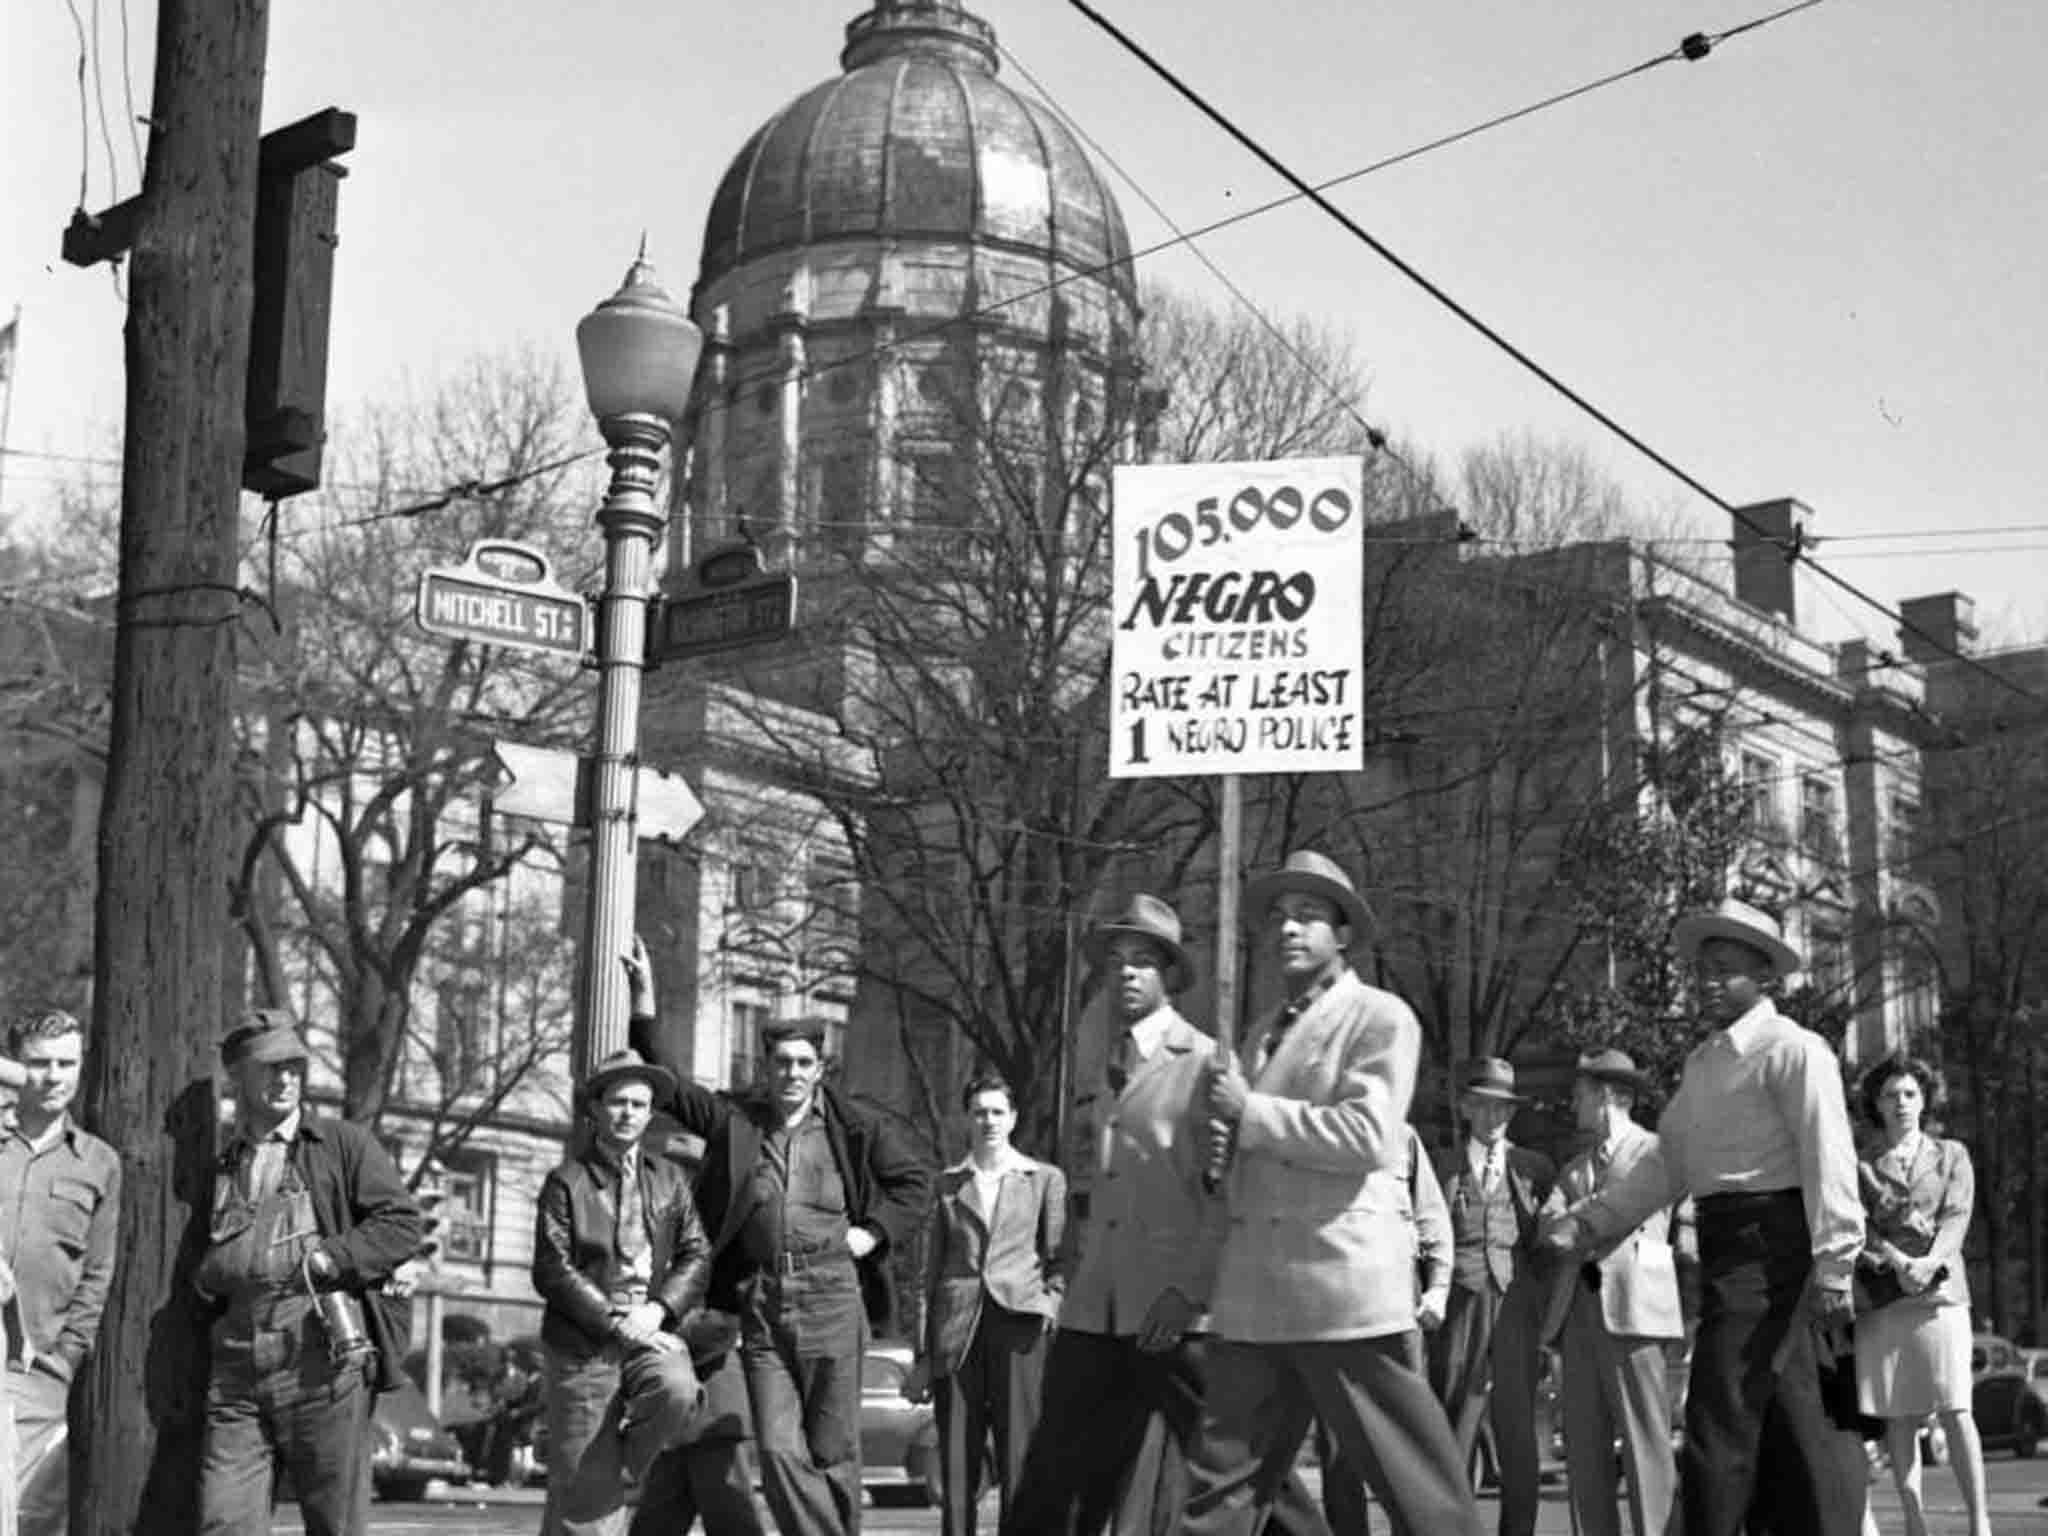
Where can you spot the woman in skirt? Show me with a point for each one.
(1913, 1345)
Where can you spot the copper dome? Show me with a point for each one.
(917, 140)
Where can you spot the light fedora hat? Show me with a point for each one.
(630, 1063)
(1312, 874)
(1148, 918)
(1743, 924)
(1490, 1077)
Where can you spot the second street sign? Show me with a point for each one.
(503, 594)
(761, 609)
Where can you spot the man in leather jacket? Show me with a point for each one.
(621, 1260)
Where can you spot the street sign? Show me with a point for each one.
(548, 784)
(732, 603)
(504, 594)
(763, 609)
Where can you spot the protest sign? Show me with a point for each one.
(1239, 638)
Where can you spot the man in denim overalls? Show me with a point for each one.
(303, 1208)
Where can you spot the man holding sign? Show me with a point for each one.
(1314, 1301)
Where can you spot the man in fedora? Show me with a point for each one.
(1759, 1136)
(309, 1217)
(1314, 1302)
(1611, 1314)
(621, 1260)
(805, 1195)
(1132, 1344)
(1484, 1358)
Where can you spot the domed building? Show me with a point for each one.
(909, 272)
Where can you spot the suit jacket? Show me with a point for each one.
(574, 1238)
(1924, 1211)
(1150, 1223)
(1430, 1219)
(1010, 1255)
(1639, 1274)
(1530, 1178)
(1317, 1247)
(888, 1188)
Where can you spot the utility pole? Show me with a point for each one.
(168, 819)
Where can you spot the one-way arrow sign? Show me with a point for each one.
(552, 785)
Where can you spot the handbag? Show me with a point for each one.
(1878, 1285)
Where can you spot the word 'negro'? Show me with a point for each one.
(1223, 597)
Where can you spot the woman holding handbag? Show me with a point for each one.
(1913, 1341)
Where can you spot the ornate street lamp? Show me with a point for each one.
(639, 353)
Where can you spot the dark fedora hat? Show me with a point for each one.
(1148, 918)
(629, 1063)
(1611, 1066)
(262, 1034)
(1489, 1077)
(1312, 874)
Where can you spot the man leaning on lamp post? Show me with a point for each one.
(1759, 1136)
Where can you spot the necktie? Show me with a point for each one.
(1281, 1024)
(632, 1233)
(1121, 1056)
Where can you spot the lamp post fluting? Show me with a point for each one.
(639, 353)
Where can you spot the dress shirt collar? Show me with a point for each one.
(1149, 1031)
(1012, 1161)
(63, 1129)
(1753, 1028)
(286, 1130)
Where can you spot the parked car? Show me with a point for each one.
(2011, 1414)
(409, 1446)
(899, 1439)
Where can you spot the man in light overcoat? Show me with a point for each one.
(1314, 1302)
(1610, 1314)
(1132, 1342)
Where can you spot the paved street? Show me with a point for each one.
(2016, 1490)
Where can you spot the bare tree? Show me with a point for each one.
(374, 867)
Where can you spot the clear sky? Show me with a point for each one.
(1810, 265)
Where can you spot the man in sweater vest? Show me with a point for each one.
(1484, 1358)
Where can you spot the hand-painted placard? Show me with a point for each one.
(1239, 638)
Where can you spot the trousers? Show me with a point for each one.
(610, 1413)
(1261, 1401)
(994, 1394)
(1615, 1386)
(276, 1401)
(1762, 1450)
(1088, 1466)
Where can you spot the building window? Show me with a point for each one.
(756, 879)
(748, 1020)
(468, 1184)
(940, 511)
(1760, 796)
(1902, 833)
(841, 507)
(461, 1027)
(1827, 962)
(1820, 829)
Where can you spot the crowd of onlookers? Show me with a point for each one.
(1269, 1254)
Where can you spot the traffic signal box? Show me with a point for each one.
(297, 201)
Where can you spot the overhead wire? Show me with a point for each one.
(1696, 47)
